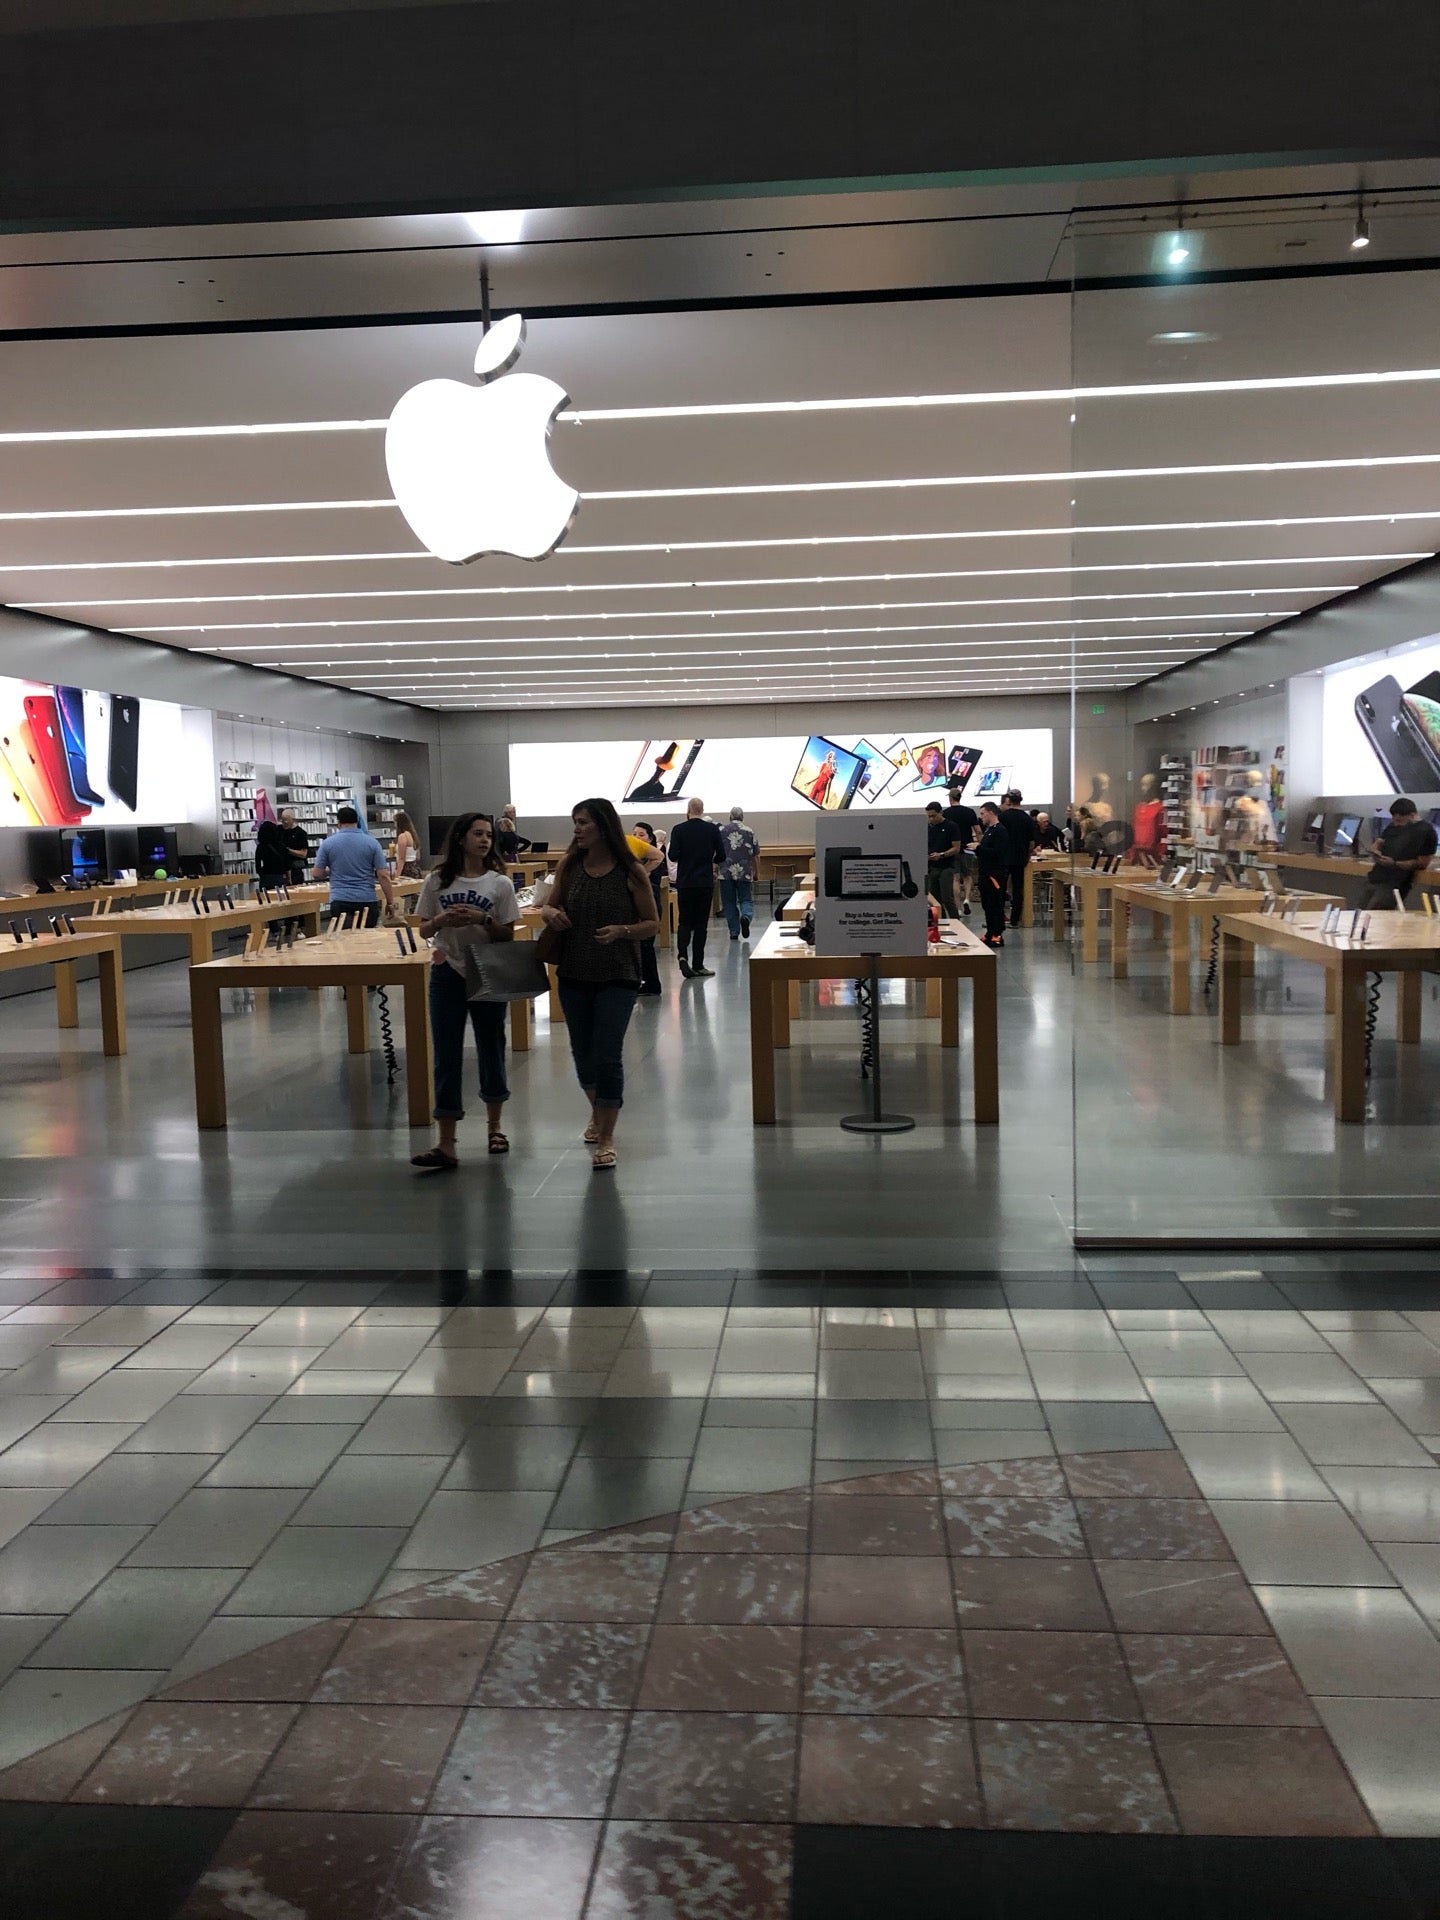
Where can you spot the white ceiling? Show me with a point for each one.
(990, 583)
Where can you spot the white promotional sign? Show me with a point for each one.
(1381, 724)
(470, 466)
(70, 757)
(791, 773)
(870, 885)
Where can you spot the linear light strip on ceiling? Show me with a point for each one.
(1023, 396)
(538, 650)
(1066, 476)
(783, 580)
(573, 550)
(519, 676)
(757, 633)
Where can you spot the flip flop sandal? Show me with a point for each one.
(590, 1135)
(498, 1143)
(435, 1161)
(603, 1160)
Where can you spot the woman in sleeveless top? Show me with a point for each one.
(602, 909)
(407, 848)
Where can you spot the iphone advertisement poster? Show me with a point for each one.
(70, 757)
(814, 773)
(1381, 722)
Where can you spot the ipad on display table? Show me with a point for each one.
(1343, 838)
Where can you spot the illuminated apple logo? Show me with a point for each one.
(470, 466)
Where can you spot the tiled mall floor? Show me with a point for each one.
(739, 1594)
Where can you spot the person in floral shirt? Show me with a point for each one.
(737, 873)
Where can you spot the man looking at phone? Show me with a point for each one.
(696, 848)
(1405, 848)
(1021, 829)
(354, 864)
(993, 858)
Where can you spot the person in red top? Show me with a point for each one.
(1148, 847)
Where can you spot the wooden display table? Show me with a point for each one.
(1182, 913)
(798, 905)
(1336, 866)
(1405, 944)
(354, 961)
(201, 929)
(1056, 868)
(131, 893)
(62, 954)
(776, 961)
(784, 857)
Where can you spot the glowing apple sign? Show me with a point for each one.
(470, 466)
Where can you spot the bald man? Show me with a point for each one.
(696, 848)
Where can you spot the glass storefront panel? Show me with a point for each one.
(1245, 1068)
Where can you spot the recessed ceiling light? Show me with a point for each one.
(1183, 337)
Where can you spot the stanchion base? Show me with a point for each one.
(884, 1123)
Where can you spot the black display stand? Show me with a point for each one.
(867, 992)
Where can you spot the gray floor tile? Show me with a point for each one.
(610, 1493)
(1213, 1406)
(20, 1633)
(368, 1491)
(1416, 1402)
(664, 1429)
(876, 1429)
(1020, 1416)
(759, 1413)
(321, 1409)
(19, 1416)
(1305, 1376)
(21, 1344)
(130, 1489)
(138, 1617)
(60, 1453)
(768, 1349)
(65, 1371)
(1105, 1427)
(1066, 1330)
(1355, 1640)
(958, 1449)
(1348, 1436)
(378, 1349)
(1085, 1376)
(198, 1423)
(1299, 1543)
(51, 1569)
(1180, 1355)
(218, 1527)
(871, 1376)
(1259, 1330)
(1416, 1565)
(756, 1461)
(252, 1370)
(1250, 1466)
(310, 1326)
(1390, 1503)
(416, 1426)
(20, 1505)
(229, 1636)
(127, 1396)
(513, 1459)
(459, 1530)
(1392, 1749)
(825, 1471)
(280, 1456)
(317, 1570)
(123, 1326)
(183, 1346)
(964, 1351)
(39, 1707)
(1389, 1356)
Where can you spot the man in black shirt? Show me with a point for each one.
(962, 821)
(1405, 848)
(992, 856)
(1021, 831)
(696, 848)
(942, 850)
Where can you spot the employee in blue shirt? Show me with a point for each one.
(353, 863)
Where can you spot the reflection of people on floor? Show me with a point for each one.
(1249, 821)
(1148, 847)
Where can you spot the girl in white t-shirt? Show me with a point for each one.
(466, 901)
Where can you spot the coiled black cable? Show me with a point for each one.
(865, 1002)
(1372, 1017)
(387, 1035)
(1214, 966)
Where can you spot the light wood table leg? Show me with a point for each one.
(1332, 990)
(209, 1048)
(1027, 910)
(792, 999)
(418, 1069)
(1230, 989)
(520, 1026)
(357, 1015)
(1407, 1008)
(1120, 940)
(1090, 918)
(202, 944)
(1180, 943)
(765, 993)
(985, 1050)
(948, 987)
(1057, 909)
(934, 997)
(112, 1002)
(67, 994)
(1350, 1046)
(783, 993)
(1157, 924)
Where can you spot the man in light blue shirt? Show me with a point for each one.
(352, 862)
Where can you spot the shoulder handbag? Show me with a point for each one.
(505, 970)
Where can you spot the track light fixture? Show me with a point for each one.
(1179, 251)
(1360, 238)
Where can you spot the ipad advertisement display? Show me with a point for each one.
(71, 757)
(836, 772)
(1381, 722)
(870, 884)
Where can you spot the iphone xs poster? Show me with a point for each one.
(69, 756)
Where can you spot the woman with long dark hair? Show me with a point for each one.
(602, 909)
(467, 901)
(407, 848)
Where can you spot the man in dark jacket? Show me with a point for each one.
(1021, 831)
(992, 856)
(696, 848)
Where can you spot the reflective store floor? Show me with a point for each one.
(863, 1550)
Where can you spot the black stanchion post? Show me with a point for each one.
(877, 1120)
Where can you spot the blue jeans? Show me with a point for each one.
(449, 1009)
(737, 897)
(596, 1016)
